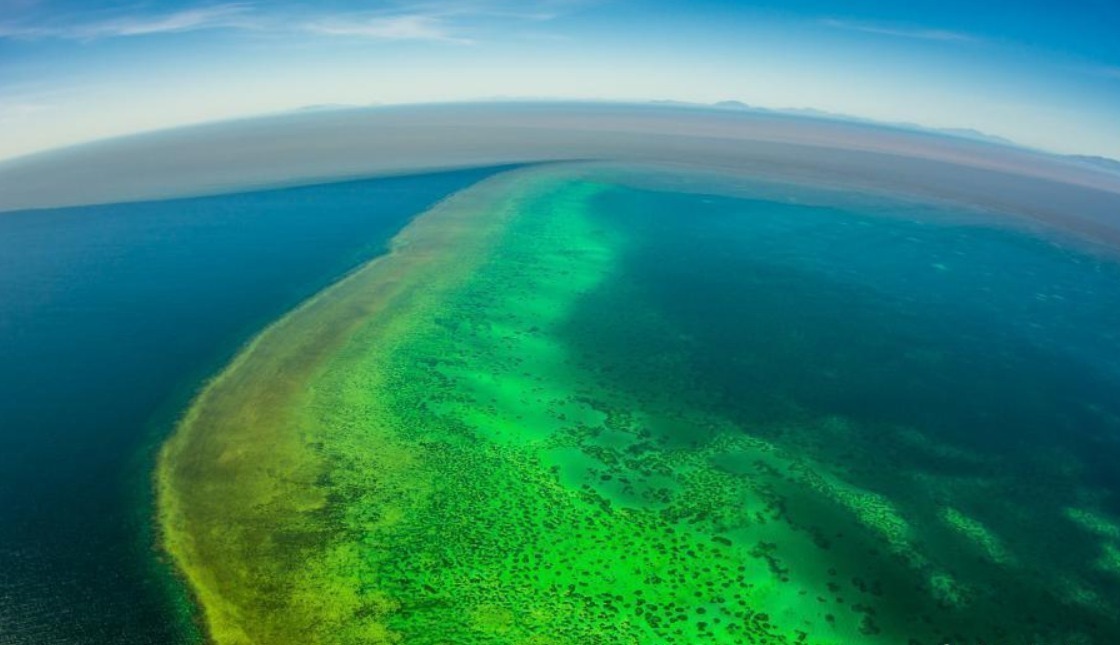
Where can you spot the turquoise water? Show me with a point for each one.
(846, 311)
(110, 316)
(962, 375)
(945, 392)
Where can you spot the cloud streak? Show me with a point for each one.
(12, 111)
(913, 33)
(446, 21)
(421, 27)
(212, 17)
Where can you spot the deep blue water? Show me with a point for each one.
(905, 316)
(984, 337)
(933, 357)
(110, 318)
(975, 366)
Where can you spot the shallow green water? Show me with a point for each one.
(963, 379)
(631, 416)
(859, 426)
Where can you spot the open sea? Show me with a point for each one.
(899, 422)
(949, 382)
(111, 317)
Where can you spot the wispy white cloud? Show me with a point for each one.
(896, 31)
(540, 10)
(447, 21)
(234, 15)
(15, 111)
(401, 27)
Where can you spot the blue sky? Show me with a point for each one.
(1045, 74)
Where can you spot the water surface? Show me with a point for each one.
(110, 316)
(570, 408)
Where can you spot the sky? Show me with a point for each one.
(1043, 74)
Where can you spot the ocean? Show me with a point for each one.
(573, 405)
(577, 408)
(111, 317)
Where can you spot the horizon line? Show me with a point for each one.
(725, 105)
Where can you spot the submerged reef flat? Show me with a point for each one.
(564, 410)
(242, 486)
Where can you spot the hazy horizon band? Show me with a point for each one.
(334, 145)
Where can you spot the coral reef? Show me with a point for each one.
(486, 437)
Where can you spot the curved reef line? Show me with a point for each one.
(240, 415)
(496, 434)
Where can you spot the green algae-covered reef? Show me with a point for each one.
(421, 454)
